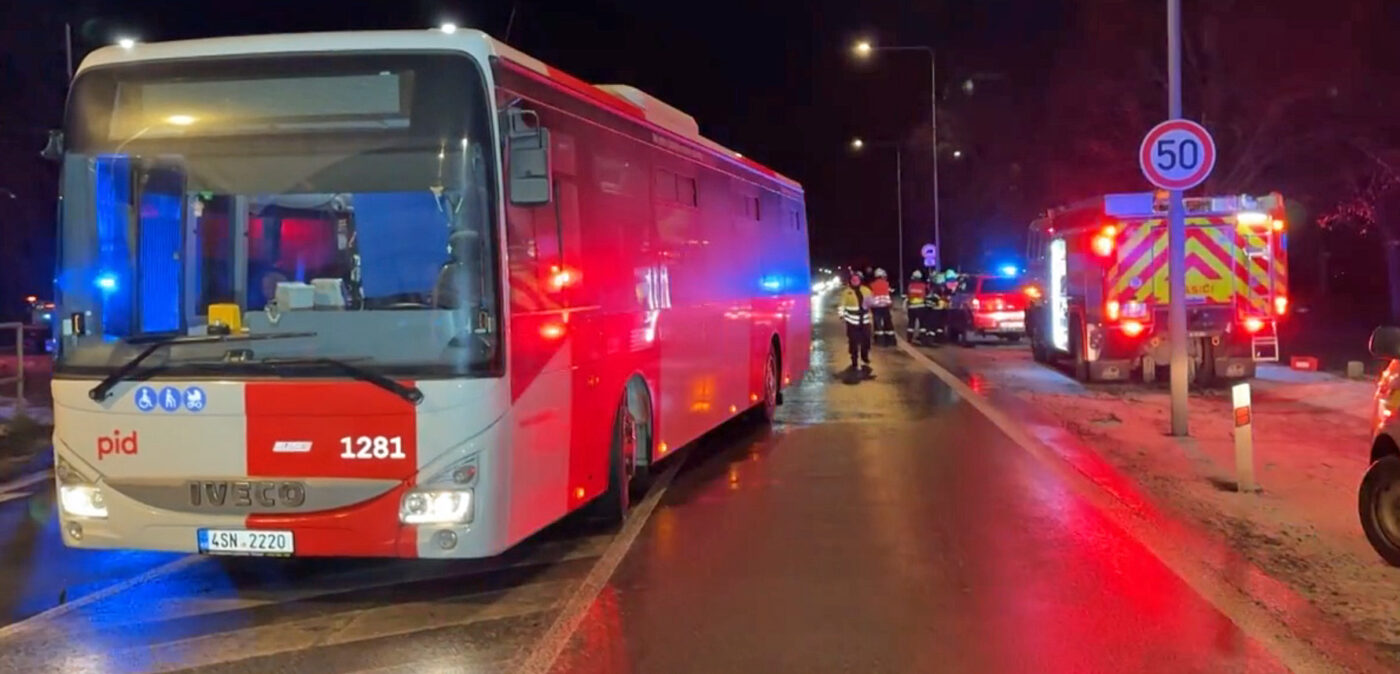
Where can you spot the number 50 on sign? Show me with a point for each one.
(1177, 154)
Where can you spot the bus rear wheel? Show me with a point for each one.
(768, 407)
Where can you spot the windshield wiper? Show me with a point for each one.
(410, 393)
(104, 388)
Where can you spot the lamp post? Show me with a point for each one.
(857, 145)
(865, 49)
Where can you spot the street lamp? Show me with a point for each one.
(857, 145)
(864, 49)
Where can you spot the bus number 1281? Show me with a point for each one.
(376, 447)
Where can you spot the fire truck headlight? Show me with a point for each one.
(82, 500)
(442, 506)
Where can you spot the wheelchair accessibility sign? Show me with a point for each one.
(170, 399)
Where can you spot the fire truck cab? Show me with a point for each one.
(1102, 265)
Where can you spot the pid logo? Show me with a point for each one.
(117, 444)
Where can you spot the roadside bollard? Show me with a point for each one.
(1244, 439)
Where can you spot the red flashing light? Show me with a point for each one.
(561, 278)
(1133, 328)
(1104, 243)
(1112, 309)
(552, 331)
(1278, 225)
(1032, 292)
(1253, 324)
(1280, 305)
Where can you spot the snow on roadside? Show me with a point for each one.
(1311, 449)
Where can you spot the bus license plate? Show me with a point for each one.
(244, 542)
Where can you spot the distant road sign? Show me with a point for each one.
(930, 253)
(1177, 154)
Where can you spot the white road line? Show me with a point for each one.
(36, 621)
(541, 658)
(1249, 603)
(21, 483)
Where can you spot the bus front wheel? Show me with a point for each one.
(631, 436)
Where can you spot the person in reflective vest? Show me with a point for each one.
(936, 309)
(855, 312)
(916, 308)
(880, 306)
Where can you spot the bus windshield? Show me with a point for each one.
(349, 196)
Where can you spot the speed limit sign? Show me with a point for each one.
(1177, 154)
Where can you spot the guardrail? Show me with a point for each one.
(18, 378)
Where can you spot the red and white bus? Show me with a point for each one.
(408, 294)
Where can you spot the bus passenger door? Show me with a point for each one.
(540, 354)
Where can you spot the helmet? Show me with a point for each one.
(917, 275)
(879, 273)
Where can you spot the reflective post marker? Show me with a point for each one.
(1244, 438)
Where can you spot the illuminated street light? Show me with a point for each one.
(864, 49)
(957, 154)
(857, 145)
(126, 42)
(449, 27)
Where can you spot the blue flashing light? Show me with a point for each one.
(772, 284)
(107, 282)
(1009, 270)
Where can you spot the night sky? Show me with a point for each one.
(776, 81)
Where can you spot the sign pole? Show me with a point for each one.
(1176, 238)
(899, 205)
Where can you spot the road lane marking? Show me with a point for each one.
(23, 482)
(37, 620)
(540, 659)
(1259, 605)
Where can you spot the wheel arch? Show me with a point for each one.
(1384, 446)
(639, 382)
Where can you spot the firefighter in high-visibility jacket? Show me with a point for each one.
(880, 306)
(916, 308)
(855, 312)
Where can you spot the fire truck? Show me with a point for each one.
(1100, 289)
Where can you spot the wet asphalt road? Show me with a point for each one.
(885, 526)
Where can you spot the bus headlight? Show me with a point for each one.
(82, 500)
(438, 506)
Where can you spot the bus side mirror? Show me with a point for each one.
(527, 143)
(1385, 342)
(53, 149)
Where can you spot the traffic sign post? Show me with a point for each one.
(1176, 155)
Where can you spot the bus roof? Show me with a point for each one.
(623, 99)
